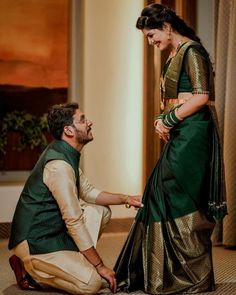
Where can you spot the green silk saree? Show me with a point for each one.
(168, 249)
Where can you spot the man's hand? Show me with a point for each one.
(135, 201)
(93, 257)
(109, 275)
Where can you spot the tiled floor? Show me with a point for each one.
(109, 247)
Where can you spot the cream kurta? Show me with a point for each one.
(59, 177)
(69, 270)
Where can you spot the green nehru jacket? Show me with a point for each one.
(37, 217)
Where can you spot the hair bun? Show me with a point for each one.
(142, 22)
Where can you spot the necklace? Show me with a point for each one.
(179, 44)
(175, 50)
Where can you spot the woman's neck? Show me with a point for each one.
(176, 42)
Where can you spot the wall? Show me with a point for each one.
(113, 59)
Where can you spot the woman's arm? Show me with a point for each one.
(192, 105)
(197, 67)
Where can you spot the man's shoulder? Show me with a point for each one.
(53, 154)
(58, 164)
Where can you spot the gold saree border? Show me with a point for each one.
(189, 238)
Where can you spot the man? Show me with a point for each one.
(53, 235)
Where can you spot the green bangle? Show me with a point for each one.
(159, 117)
(167, 122)
(173, 117)
(177, 114)
(170, 119)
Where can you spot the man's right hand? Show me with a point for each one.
(109, 275)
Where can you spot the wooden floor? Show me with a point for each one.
(109, 247)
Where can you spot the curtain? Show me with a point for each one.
(225, 87)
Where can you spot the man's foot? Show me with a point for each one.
(23, 279)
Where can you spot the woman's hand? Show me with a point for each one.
(109, 275)
(161, 130)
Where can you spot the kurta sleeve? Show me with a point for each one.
(197, 68)
(87, 191)
(60, 179)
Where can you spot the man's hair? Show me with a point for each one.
(59, 116)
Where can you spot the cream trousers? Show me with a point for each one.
(68, 270)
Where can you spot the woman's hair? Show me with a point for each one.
(59, 116)
(154, 16)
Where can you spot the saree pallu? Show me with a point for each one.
(168, 249)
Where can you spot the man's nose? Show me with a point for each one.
(90, 123)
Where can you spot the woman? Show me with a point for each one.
(168, 250)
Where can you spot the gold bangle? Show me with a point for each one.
(126, 203)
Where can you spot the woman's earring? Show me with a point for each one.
(169, 34)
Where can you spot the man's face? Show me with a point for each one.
(82, 127)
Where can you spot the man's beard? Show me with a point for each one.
(83, 138)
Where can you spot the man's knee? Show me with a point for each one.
(94, 284)
(106, 213)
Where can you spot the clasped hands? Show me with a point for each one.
(161, 130)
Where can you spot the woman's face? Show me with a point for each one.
(158, 38)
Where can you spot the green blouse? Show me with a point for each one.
(190, 69)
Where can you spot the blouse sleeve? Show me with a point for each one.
(196, 66)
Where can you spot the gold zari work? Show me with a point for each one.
(185, 262)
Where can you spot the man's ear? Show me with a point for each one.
(68, 130)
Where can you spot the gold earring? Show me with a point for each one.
(169, 34)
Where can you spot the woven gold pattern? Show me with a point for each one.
(154, 273)
(197, 69)
(109, 247)
(190, 243)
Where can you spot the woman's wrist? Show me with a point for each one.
(180, 118)
(159, 117)
(164, 123)
(172, 118)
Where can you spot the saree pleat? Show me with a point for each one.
(168, 250)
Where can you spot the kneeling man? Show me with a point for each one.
(54, 234)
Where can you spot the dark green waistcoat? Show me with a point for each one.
(37, 217)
